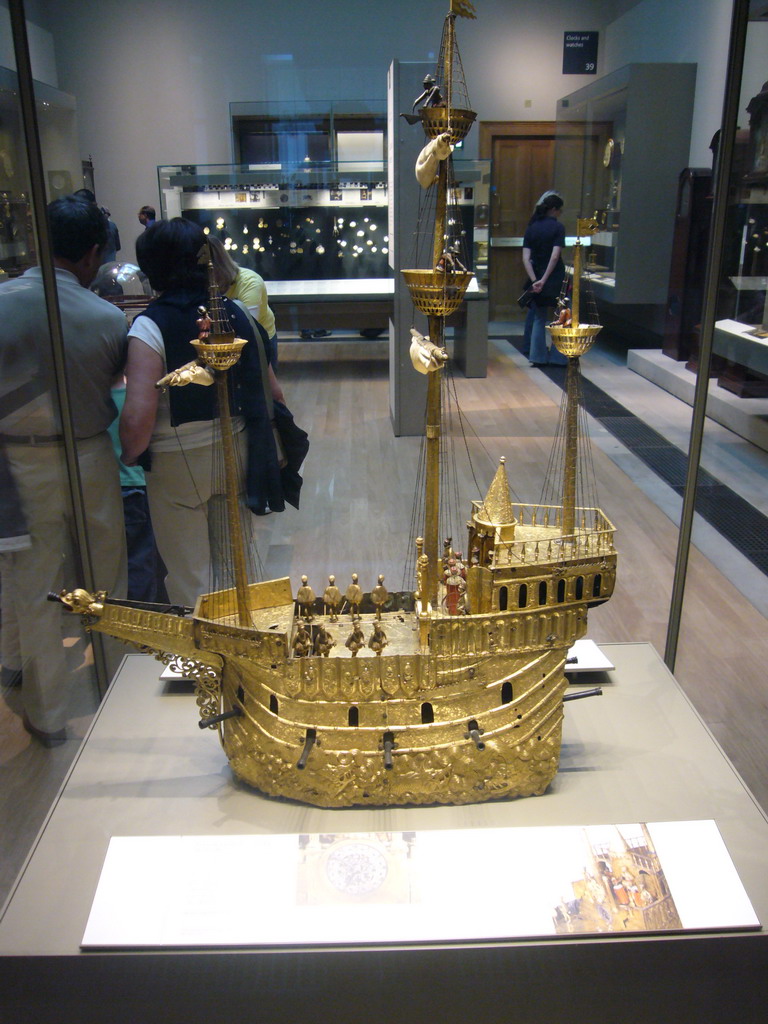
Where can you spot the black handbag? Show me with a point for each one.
(273, 476)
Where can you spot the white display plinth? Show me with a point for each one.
(322, 889)
(638, 753)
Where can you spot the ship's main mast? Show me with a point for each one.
(439, 291)
(432, 469)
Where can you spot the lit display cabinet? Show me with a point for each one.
(309, 223)
(623, 141)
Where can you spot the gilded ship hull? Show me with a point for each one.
(458, 708)
(512, 698)
(434, 761)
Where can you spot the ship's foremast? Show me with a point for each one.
(219, 350)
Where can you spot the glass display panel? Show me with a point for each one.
(310, 222)
(49, 687)
(627, 179)
(731, 493)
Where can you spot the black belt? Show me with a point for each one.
(32, 439)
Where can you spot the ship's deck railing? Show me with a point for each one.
(539, 537)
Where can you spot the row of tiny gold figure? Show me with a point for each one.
(304, 644)
(333, 600)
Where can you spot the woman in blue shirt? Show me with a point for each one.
(542, 247)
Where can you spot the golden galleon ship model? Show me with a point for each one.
(449, 694)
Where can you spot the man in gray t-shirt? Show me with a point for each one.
(94, 334)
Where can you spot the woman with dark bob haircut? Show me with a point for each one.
(168, 253)
(172, 433)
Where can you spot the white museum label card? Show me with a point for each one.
(586, 656)
(308, 889)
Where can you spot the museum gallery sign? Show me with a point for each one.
(580, 53)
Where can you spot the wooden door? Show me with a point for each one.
(522, 163)
(522, 170)
(523, 166)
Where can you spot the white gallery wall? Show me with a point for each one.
(153, 81)
(688, 31)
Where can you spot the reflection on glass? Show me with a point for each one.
(49, 689)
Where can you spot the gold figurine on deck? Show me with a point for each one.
(305, 599)
(379, 596)
(354, 595)
(324, 642)
(356, 639)
(378, 639)
(332, 599)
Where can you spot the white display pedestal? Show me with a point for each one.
(368, 303)
(638, 753)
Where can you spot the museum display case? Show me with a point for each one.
(144, 777)
(310, 221)
(622, 166)
(56, 116)
(640, 753)
(286, 132)
(741, 330)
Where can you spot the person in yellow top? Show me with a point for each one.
(248, 287)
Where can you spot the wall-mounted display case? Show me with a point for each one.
(622, 143)
(58, 134)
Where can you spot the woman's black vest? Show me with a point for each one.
(176, 314)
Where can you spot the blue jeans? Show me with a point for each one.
(146, 571)
(535, 335)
